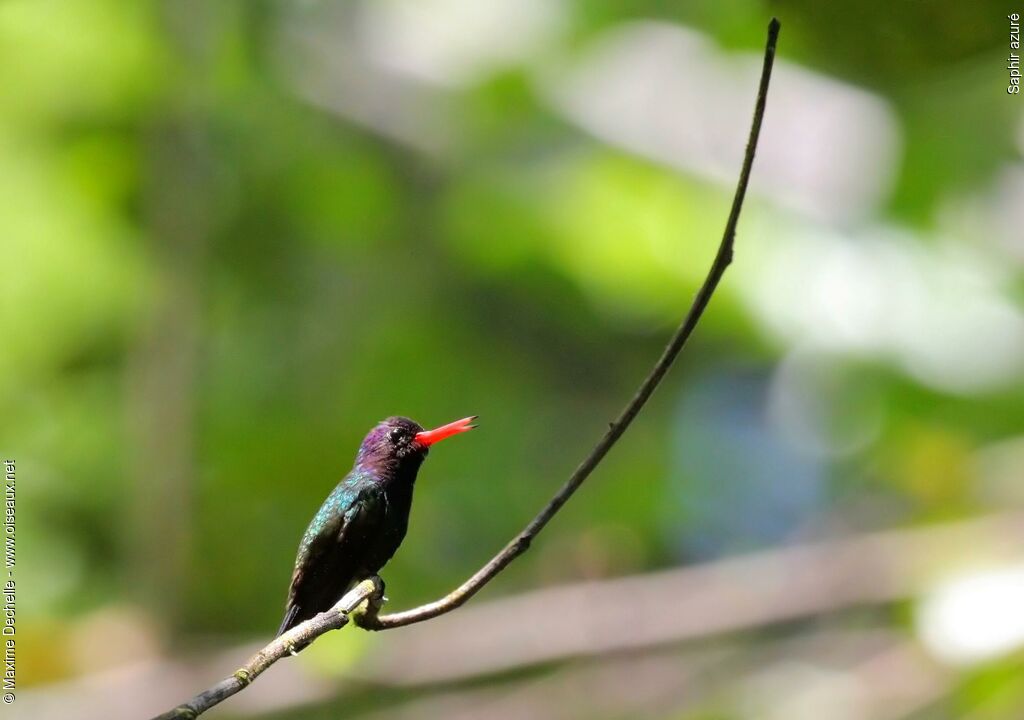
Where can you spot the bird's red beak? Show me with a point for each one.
(429, 437)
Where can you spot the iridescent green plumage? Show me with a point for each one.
(361, 523)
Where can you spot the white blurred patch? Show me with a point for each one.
(827, 149)
(1008, 209)
(988, 218)
(819, 407)
(454, 42)
(975, 617)
(800, 691)
(942, 312)
(395, 65)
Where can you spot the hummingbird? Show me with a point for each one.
(363, 521)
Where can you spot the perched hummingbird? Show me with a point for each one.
(364, 519)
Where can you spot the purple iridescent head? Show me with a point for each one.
(398, 442)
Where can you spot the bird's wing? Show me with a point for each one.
(330, 534)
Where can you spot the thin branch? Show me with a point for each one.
(521, 542)
(298, 637)
(369, 591)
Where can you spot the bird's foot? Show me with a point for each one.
(365, 614)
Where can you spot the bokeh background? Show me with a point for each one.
(235, 235)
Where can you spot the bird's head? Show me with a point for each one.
(399, 441)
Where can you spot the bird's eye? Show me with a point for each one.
(395, 435)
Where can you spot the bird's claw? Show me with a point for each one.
(365, 614)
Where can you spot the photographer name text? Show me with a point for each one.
(8, 628)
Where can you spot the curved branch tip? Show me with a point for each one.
(362, 604)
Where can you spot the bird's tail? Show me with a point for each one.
(291, 619)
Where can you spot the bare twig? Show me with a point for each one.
(521, 542)
(338, 616)
(299, 636)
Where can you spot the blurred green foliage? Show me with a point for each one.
(213, 287)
